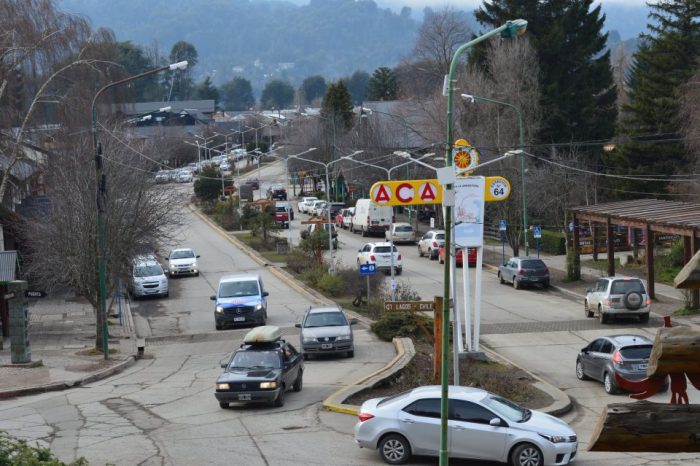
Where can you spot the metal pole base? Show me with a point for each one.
(474, 355)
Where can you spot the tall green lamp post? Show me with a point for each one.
(509, 29)
(521, 147)
(101, 191)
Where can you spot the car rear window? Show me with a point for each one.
(404, 228)
(384, 249)
(440, 236)
(636, 352)
(624, 286)
(533, 264)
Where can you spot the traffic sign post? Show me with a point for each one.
(537, 233)
(367, 270)
(502, 226)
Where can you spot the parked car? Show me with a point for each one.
(184, 176)
(306, 203)
(380, 255)
(147, 278)
(370, 218)
(347, 217)
(482, 426)
(618, 296)
(326, 330)
(240, 299)
(224, 166)
(253, 183)
(282, 216)
(521, 271)
(309, 230)
(162, 176)
(317, 207)
(263, 369)
(182, 262)
(430, 244)
(626, 355)
(278, 193)
(339, 218)
(401, 233)
(288, 206)
(459, 260)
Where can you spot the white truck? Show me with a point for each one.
(370, 218)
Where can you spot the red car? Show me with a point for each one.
(459, 261)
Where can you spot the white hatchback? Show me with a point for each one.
(380, 254)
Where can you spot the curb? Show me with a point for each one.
(404, 354)
(66, 384)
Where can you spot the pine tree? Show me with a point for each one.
(337, 104)
(207, 91)
(383, 85)
(578, 92)
(666, 60)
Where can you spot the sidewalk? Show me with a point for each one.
(62, 335)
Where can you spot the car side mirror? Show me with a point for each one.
(584, 350)
(359, 250)
(223, 363)
(167, 258)
(213, 297)
(353, 321)
(265, 293)
(198, 256)
(495, 422)
(297, 325)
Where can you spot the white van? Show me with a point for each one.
(371, 218)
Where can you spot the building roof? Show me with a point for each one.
(189, 106)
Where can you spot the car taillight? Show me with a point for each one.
(608, 302)
(521, 272)
(399, 258)
(546, 270)
(648, 302)
(617, 358)
(434, 244)
(372, 258)
(365, 416)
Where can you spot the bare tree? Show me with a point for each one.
(689, 114)
(440, 35)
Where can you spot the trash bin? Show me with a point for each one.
(282, 246)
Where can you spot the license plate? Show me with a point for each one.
(239, 319)
(326, 346)
(244, 397)
(642, 366)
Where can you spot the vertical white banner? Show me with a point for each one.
(469, 212)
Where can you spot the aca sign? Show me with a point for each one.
(406, 192)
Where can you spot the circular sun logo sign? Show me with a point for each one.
(463, 159)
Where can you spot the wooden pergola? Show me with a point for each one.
(651, 216)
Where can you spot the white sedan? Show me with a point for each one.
(482, 426)
(380, 254)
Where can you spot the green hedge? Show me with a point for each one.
(551, 242)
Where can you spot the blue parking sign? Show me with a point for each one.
(537, 233)
(502, 225)
(368, 269)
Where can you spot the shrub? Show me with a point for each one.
(675, 256)
(226, 214)
(298, 261)
(552, 242)
(312, 275)
(353, 282)
(18, 452)
(397, 324)
(331, 284)
(404, 292)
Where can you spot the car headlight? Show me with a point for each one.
(220, 309)
(172, 267)
(222, 386)
(308, 339)
(342, 337)
(268, 384)
(556, 438)
(194, 265)
(258, 307)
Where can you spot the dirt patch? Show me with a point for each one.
(505, 380)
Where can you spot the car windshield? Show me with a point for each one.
(148, 270)
(241, 288)
(255, 360)
(624, 286)
(533, 264)
(383, 249)
(404, 228)
(325, 319)
(636, 352)
(507, 408)
(182, 254)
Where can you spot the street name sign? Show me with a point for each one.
(409, 306)
(35, 294)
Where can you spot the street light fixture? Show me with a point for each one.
(521, 146)
(507, 30)
(101, 185)
(326, 166)
(391, 224)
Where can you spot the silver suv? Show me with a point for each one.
(148, 278)
(618, 296)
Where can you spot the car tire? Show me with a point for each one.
(586, 310)
(526, 454)
(306, 356)
(350, 354)
(364, 233)
(609, 384)
(644, 318)
(516, 283)
(196, 274)
(398, 271)
(420, 251)
(219, 326)
(299, 382)
(440, 260)
(579, 371)
(545, 285)
(394, 449)
(279, 401)
(430, 254)
(223, 404)
(602, 318)
(500, 278)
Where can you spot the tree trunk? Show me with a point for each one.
(676, 350)
(643, 426)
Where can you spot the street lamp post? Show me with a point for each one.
(391, 224)
(521, 147)
(330, 231)
(333, 133)
(101, 186)
(509, 29)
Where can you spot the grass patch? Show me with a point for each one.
(96, 352)
(686, 312)
(272, 256)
